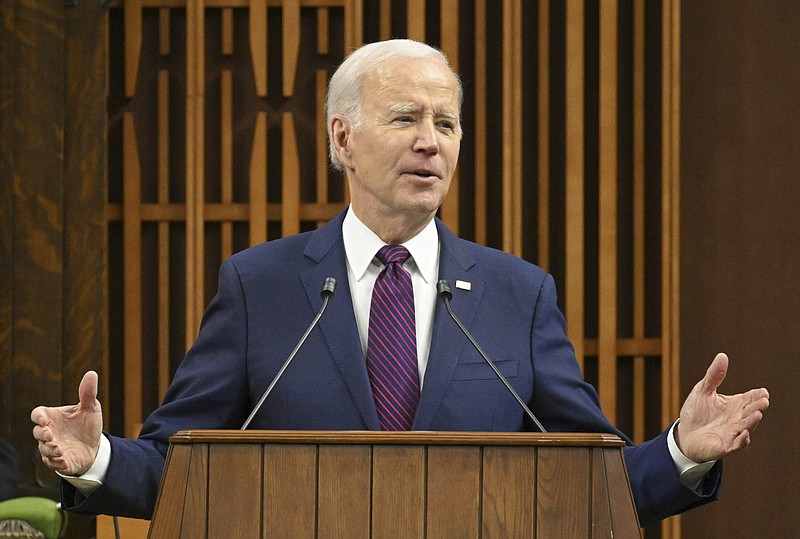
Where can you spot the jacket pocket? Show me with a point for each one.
(480, 370)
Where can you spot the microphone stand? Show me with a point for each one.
(328, 289)
(443, 289)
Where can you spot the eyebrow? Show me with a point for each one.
(411, 109)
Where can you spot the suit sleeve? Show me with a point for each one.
(209, 391)
(564, 402)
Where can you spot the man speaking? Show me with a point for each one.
(386, 354)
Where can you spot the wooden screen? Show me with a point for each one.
(569, 160)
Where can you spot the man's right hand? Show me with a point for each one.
(69, 436)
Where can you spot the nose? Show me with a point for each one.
(427, 140)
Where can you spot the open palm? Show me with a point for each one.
(713, 425)
(69, 436)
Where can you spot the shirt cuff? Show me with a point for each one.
(691, 473)
(93, 478)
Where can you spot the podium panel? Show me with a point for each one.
(354, 484)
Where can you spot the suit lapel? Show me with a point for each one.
(338, 324)
(447, 341)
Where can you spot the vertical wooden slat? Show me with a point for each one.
(600, 511)
(195, 90)
(506, 471)
(164, 34)
(132, 275)
(607, 279)
(257, 214)
(245, 515)
(195, 520)
(227, 32)
(131, 225)
(415, 15)
(453, 481)
(344, 482)
(226, 133)
(321, 133)
(406, 497)
(574, 149)
(481, 123)
(291, 43)
(323, 30)
(449, 44)
(163, 231)
(670, 200)
(295, 494)
(258, 44)
(226, 157)
(290, 182)
(512, 127)
(543, 138)
(568, 469)
(177, 469)
(353, 25)
(385, 24)
(670, 224)
(639, 388)
(322, 140)
(133, 44)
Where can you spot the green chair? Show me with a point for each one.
(41, 514)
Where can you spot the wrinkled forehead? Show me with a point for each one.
(411, 81)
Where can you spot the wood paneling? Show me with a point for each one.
(512, 485)
(215, 120)
(53, 295)
(740, 262)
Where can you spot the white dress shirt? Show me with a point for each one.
(360, 247)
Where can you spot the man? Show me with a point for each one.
(394, 129)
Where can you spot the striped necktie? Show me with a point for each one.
(392, 342)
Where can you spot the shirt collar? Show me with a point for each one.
(361, 244)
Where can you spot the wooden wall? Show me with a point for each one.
(52, 210)
(211, 139)
(740, 243)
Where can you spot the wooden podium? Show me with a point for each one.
(353, 484)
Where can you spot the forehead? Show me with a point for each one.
(416, 81)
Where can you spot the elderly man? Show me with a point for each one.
(386, 357)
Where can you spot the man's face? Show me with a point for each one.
(401, 157)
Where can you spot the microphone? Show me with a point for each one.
(328, 289)
(443, 290)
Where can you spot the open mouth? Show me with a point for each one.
(424, 174)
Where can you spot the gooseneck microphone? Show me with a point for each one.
(328, 289)
(444, 292)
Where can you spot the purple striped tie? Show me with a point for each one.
(392, 343)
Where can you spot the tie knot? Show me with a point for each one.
(393, 253)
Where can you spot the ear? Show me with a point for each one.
(340, 139)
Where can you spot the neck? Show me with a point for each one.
(393, 229)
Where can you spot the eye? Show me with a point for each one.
(404, 119)
(446, 125)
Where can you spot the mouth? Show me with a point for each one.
(424, 174)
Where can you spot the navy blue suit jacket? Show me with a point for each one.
(268, 295)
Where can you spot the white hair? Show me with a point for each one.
(344, 89)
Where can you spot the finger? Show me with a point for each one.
(715, 374)
(42, 434)
(751, 421)
(87, 391)
(39, 415)
(756, 402)
(51, 451)
(54, 463)
(741, 441)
